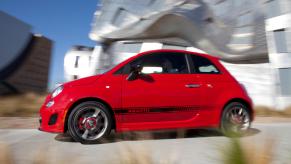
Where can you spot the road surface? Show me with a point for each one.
(196, 146)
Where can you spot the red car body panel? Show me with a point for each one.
(147, 104)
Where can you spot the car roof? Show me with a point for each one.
(178, 51)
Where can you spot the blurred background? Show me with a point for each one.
(46, 43)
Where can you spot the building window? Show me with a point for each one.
(90, 60)
(77, 61)
(280, 41)
(75, 77)
(285, 80)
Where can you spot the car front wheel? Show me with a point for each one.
(89, 122)
(235, 120)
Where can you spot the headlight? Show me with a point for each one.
(57, 91)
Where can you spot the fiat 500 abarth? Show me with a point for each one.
(159, 89)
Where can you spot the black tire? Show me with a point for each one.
(233, 126)
(88, 124)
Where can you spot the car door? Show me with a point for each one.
(165, 91)
(212, 84)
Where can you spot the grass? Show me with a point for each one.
(25, 105)
(130, 156)
(269, 112)
(126, 155)
(238, 152)
(5, 155)
(234, 153)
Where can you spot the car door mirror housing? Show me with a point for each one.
(134, 73)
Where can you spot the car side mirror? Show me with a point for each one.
(134, 73)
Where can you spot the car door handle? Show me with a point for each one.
(192, 85)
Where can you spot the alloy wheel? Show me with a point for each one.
(90, 123)
(236, 120)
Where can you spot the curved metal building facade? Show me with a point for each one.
(224, 28)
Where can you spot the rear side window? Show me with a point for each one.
(203, 65)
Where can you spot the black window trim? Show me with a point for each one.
(189, 63)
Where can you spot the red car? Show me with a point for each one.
(160, 89)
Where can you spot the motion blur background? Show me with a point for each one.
(43, 44)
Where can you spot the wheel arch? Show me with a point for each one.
(244, 102)
(85, 100)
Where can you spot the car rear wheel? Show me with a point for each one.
(89, 122)
(235, 120)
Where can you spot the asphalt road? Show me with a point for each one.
(194, 146)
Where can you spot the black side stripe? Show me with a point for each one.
(155, 110)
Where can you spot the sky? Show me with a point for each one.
(65, 22)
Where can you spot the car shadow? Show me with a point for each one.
(156, 135)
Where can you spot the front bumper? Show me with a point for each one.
(52, 119)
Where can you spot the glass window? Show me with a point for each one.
(75, 77)
(90, 60)
(203, 65)
(164, 63)
(77, 61)
(285, 80)
(280, 41)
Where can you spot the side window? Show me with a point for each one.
(152, 64)
(163, 63)
(203, 65)
(176, 63)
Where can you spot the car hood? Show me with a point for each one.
(83, 81)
